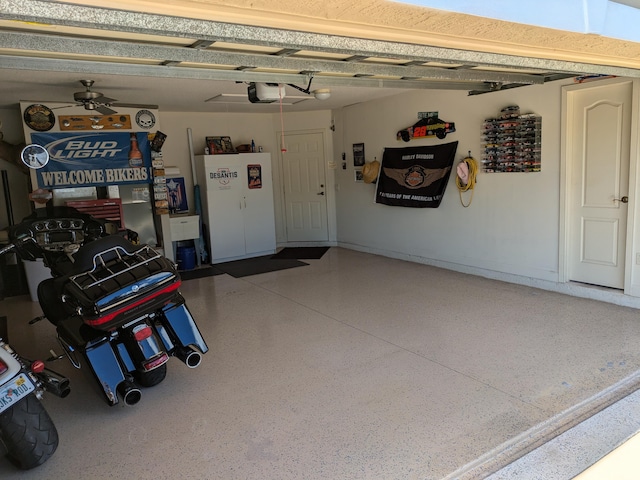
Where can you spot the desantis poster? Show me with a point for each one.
(94, 159)
(415, 176)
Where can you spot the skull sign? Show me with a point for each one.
(145, 119)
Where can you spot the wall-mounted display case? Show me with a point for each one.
(512, 142)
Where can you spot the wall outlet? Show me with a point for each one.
(637, 258)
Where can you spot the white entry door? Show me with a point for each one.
(305, 188)
(599, 133)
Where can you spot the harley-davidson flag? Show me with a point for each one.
(415, 176)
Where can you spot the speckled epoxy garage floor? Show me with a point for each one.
(354, 367)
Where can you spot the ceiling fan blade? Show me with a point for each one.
(104, 110)
(134, 105)
(103, 99)
(65, 106)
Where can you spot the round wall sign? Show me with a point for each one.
(39, 117)
(145, 119)
(34, 156)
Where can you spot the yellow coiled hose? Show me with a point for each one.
(472, 166)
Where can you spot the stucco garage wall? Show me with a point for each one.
(512, 225)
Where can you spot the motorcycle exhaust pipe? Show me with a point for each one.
(54, 383)
(189, 356)
(129, 393)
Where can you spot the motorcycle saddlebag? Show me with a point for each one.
(123, 286)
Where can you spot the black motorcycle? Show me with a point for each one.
(28, 436)
(116, 306)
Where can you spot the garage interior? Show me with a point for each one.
(347, 367)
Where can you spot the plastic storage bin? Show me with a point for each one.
(186, 258)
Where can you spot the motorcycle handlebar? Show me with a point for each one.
(7, 249)
(16, 243)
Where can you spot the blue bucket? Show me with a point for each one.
(186, 258)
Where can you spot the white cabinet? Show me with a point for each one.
(185, 227)
(237, 203)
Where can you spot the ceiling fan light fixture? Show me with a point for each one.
(322, 93)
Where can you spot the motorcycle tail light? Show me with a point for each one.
(156, 361)
(142, 332)
(105, 319)
(3, 367)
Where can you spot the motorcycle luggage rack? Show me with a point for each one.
(113, 263)
(117, 283)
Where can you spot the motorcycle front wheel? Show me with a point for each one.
(151, 378)
(28, 433)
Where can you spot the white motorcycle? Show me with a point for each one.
(28, 436)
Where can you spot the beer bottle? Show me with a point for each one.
(135, 155)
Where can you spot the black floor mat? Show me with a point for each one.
(200, 272)
(309, 253)
(256, 265)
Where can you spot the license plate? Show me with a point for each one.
(14, 391)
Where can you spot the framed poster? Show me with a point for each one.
(358, 154)
(254, 176)
(176, 195)
(220, 145)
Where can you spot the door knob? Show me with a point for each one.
(624, 199)
(321, 193)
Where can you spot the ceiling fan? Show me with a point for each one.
(92, 100)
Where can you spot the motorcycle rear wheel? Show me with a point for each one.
(151, 378)
(28, 433)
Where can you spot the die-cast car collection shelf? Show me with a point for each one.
(512, 142)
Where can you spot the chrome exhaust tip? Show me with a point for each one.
(54, 383)
(189, 357)
(129, 393)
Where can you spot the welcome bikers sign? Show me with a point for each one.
(93, 159)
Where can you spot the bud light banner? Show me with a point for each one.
(415, 176)
(94, 159)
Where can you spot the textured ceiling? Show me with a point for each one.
(179, 54)
(387, 20)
